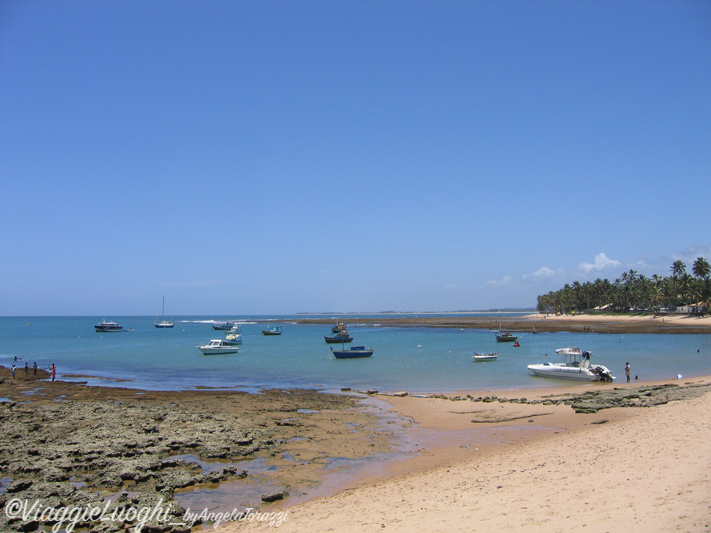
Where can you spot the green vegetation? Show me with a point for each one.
(633, 292)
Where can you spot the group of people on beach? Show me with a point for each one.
(52, 369)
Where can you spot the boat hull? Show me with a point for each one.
(484, 358)
(164, 325)
(219, 351)
(506, 338)
(565, 372)
(337, 340)
(354, 352)
(108, 328)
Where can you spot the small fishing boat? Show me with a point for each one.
(354, 351)
(107, 327)
(222, 325)
(483, 357)
(577, 366)
(233, 339)
(338, 327)
(217, 346)
(341, 336)
(276, 330)
(505, 337)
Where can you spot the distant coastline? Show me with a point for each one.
(463, 312)
(537, 323)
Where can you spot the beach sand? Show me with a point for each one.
(621, 469)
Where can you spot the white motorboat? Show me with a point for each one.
(483, 357)
(217, 346)
(107, 327)
(577, 366)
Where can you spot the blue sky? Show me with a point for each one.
(255, 157)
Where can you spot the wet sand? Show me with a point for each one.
(638, 467)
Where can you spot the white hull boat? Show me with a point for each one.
(216, 347)
(483, 357)
(577, 367)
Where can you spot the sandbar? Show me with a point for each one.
(636, 323)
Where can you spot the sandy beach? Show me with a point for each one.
(620, 469)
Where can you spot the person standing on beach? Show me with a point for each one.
(53, 368)
(627, 371)
(27, 370)
(34, 368)
(13, 371)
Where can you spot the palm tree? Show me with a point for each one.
(701, 268)
(678, 270)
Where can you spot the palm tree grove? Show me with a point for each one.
(636, 293)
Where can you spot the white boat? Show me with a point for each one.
(577, 366)
(217, 346)
(233, 338)
(107, 327)
(482, 357)
(163, 323)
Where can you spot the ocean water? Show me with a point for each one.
(415, 359)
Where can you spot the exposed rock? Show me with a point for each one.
(274, 496)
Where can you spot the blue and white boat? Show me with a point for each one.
(354, 351)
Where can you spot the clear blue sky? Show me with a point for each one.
(252, 157)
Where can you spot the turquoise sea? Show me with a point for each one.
(415, 359)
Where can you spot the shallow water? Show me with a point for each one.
(416, 359)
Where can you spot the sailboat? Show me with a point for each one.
(163, 323)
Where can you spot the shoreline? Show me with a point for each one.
(296, 442)
(627, 324)
(569, 470)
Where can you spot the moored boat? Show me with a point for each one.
(505, 337)
(163, 324)
(338, 327)
(108, 327)
(276, 330)
(577, 366)
(341, 336)
(217, 346)
(222, 325)
(233, 339)
(352, 352)
(483, 357)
